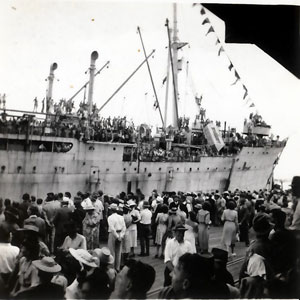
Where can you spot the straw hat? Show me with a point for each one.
(131, 203)
(180, 227)
(84, 257)
(47, 264)
(104, 256)
(113, 206)
(89, 207)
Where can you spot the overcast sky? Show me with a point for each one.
(35, 34)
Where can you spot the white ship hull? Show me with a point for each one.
(100, 166)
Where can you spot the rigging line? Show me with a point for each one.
(126, 80)
(172, 67)
(85, 85)
(151, 78)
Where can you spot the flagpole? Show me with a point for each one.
(167, 88)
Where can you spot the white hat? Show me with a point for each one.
(47, 264)
(159, 199)
(89, 207)
(104, 255)
(84, 256)
(131, 203)
(113, 206)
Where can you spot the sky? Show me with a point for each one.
(34, 34)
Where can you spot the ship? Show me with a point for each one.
(37, 159)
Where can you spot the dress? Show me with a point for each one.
(90, 225)
(230, 218)
(203, 218)
(161, 220)
(189, 235)
(126, 240)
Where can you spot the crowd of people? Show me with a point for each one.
(51, 248)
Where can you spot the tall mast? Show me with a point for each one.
(175, 66)
(94, 57)
(50, 85)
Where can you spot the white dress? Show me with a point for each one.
(189, 235)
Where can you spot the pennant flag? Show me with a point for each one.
(217, 42)
(164, 80)
(198, 100)
(202, 11)
(235, 81)
(252, 105)
(245, 88)
(237, 75)
(245, 95)
(230, 66)
(205, 21)
(220, 50)
(248, 100)
(210, 30)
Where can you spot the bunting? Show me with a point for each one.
(244, 87)
(252, 105)
(155, 105)
(164, 80)
(217, 42)
(202, 11)
(205, 21)
(237, 75)
(245, 95)
(220, 50)
(211, 29)
(235, 81)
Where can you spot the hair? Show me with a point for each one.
(7, 202)
(164, 209)
(26, 197)
(60, 195)
(192, 215)
(279, 217)
(206, 206)
(198, 270)
(231, 205)
(68, 194)
(4, 234)
(142, 277)
(33, 210)
(39, 201)
(99, 284)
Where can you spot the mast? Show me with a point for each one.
(175, 66)
(50, 85)
(167, 90)
(94, 57)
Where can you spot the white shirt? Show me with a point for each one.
(133, 226)
(8, 257)
(116, 225)
(174, 250)
(78, 243)
(146, 216)
(86, 202)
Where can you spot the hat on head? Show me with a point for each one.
(131, 203)
(295, 181)
(89, 207)
(12, 212)
(104, 255)
(146, 204)
(84, 257)
(173, 210)
(262, 224)
(65, 200)
(60, 280)
(114, 206)
(159, 199)
(220, 254)
(47, 264)
(29, 227)
(180, 227)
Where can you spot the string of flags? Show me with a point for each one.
(222, 50)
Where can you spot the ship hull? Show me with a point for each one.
(99, 166)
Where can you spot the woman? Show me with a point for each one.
(191, 226)
(25, 274)
(230, 219)
(90, 225)
(161, 221)
(203, 219)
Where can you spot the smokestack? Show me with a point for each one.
(50, 83)
(94, 57)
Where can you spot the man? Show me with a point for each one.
(145, 229)
(8, 254)
(193, 278)
(174, 249)
(47, 268)
(33, 213)
(243, 218)
(62, 217)
(116, 233)
(134, 280)
(73, 239)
